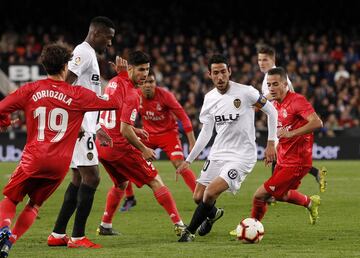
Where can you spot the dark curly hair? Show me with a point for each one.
(54, 57)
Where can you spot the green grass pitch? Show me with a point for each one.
(147, 230)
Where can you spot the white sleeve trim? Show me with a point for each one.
(272, 120)
(201, 142)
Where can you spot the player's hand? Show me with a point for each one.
(149, 154)
(104, 138)
(143, 134)
(5, 122)
(284, 133)
(120, 64)
(270, 153)
(184, 165)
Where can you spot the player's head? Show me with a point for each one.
(148, 88)
(139, 66)
(219, 72)
(101, 32)
(266, 58)
(55, 57)
(277, 83)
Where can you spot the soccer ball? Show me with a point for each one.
(250, 231)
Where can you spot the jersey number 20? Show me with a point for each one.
(57, 122)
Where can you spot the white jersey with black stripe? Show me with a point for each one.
(85, 65)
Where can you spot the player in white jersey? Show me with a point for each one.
(266, 61)
(229, 107)
(84, 70)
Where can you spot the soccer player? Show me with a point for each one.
(296, 121)
(54, 110)
(157, 109)
(129, 158)
(228, 107)
(79, 196)
(266, 61)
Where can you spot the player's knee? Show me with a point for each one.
(91, 180)
(197, 198)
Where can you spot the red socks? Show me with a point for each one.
(259, 209)
(7, 212)
(112, 202)
(189, 178)
(165, 199)
(129, 190)
(298, 198)
(23, 222)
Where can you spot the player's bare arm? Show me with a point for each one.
(128, 132)
(191, 139)
(314, 122)
(142, 133)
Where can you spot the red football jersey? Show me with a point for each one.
(54, 111)
(123, 90)
(159, 113)
(292, 113)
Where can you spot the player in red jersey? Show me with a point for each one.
(54, 111)
(296, 122)
(129, 158)
(159, 110)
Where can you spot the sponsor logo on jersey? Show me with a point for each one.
(237, 103)
(232, 173)
(227, 118)
(77, 60)
(90, 155)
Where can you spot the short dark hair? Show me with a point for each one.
(54, 57)
(217, 59)
(151, 73)
(102, 21)
(138, 58)
(265, 49)
(278, 71)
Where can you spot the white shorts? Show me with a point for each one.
(234, 173)
(85, 152)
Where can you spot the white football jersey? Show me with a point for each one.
(233, 115)
(85, 65)
(265, 88)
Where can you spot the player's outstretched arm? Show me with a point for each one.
(314, 122)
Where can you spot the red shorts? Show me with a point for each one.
(285, 179)
(22, 184)
(168, 142)
(126, 165)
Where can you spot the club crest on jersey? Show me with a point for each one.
(77, 60)
(158, 107)
(237, 103)
(90, 155)
(284, 113)
(133, 115)
(232, 173)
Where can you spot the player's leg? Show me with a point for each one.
(319, 175)
(66, 211)
(171, 145)
(114, 196)
(39, 190)
(130, 200)
(187, 174)
(165, 199)
(88, 167)
(206, 206)
(90, 180)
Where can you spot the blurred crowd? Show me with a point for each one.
(323, 66)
